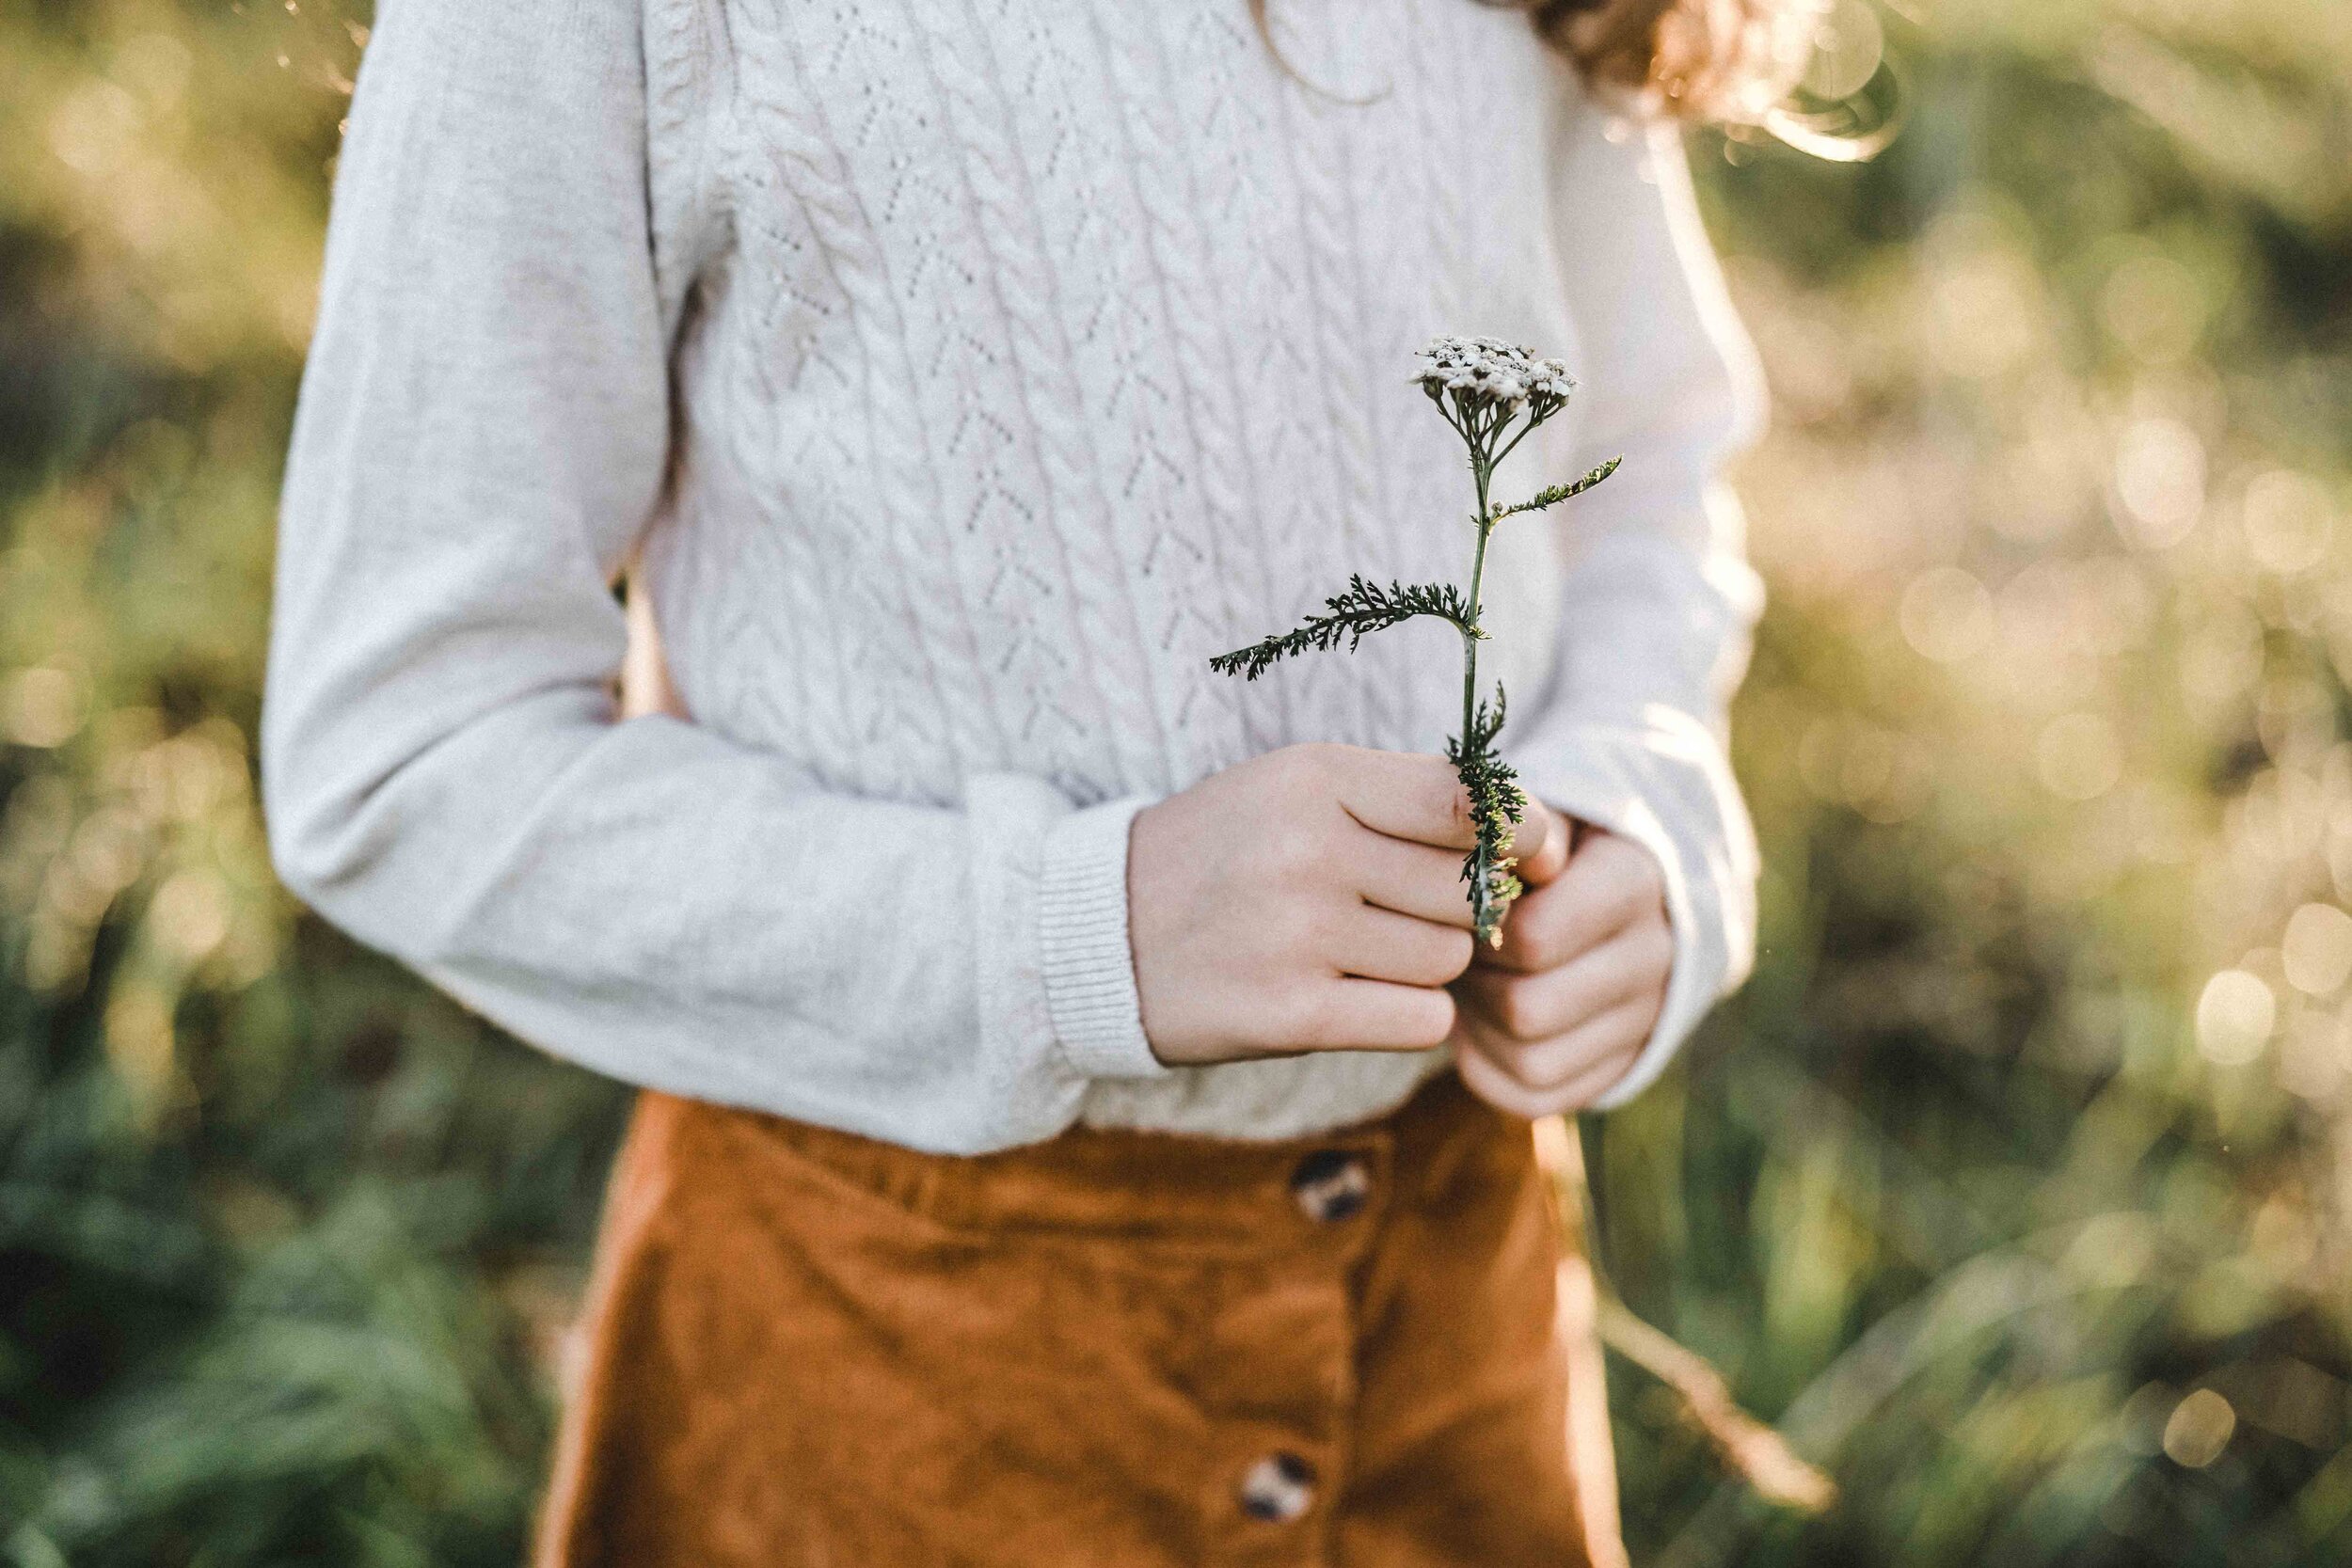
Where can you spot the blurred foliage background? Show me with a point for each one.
(2015, 1188)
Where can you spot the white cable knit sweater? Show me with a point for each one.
(968, 371)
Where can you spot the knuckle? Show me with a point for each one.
(1335, 762)
(1458, 805)
(1295, 854)
(1310, 767)
(1296, 928)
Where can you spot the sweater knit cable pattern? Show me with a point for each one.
(1007, 361)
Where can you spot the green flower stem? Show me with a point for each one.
(1479, 871)
(1471, 633)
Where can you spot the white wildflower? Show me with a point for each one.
(1488, 377)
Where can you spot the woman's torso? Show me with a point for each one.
(1033, 350)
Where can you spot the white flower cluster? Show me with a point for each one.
(1487, 372)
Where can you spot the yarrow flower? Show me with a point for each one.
(1494, 395)
(1488, 377)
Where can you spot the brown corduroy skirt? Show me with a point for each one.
(1129, 1349)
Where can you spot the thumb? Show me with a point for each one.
(1545, 842)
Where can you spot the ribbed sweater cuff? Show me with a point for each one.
(1082, 925)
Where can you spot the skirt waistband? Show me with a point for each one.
(1096, 1182)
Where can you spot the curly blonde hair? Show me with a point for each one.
(1726, 60)
(1694, 59)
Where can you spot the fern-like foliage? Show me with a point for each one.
(1487, 721)
(1497, 804)
(1559, 493)
(1349, 617)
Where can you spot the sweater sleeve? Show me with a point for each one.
(482, 435)
(1659, 599)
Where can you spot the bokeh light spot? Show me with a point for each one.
(190, 915)
(41, 707)
(1848, 47)
(2236, 1014)
(94, 129)
(2200, 1427)
(2316, 953)
(2160, 481)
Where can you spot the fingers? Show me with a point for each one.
(1539, 1007)
(1418, 880)
(1533, 1044)
(1498, 1088)
(1377, 945)
(1557, 1066)
(1375, 1015)
(1416, 797)
(1407, 796)
(1610, 883)
(1551, 1063)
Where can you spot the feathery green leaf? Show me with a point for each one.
(1350, 616)
(1559, 493)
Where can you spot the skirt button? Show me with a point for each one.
(1332, 1185)
(1278, 1488)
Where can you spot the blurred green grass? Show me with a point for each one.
(2014, 1187)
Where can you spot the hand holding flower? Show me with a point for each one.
(1309, 899)
(1555, 1016)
